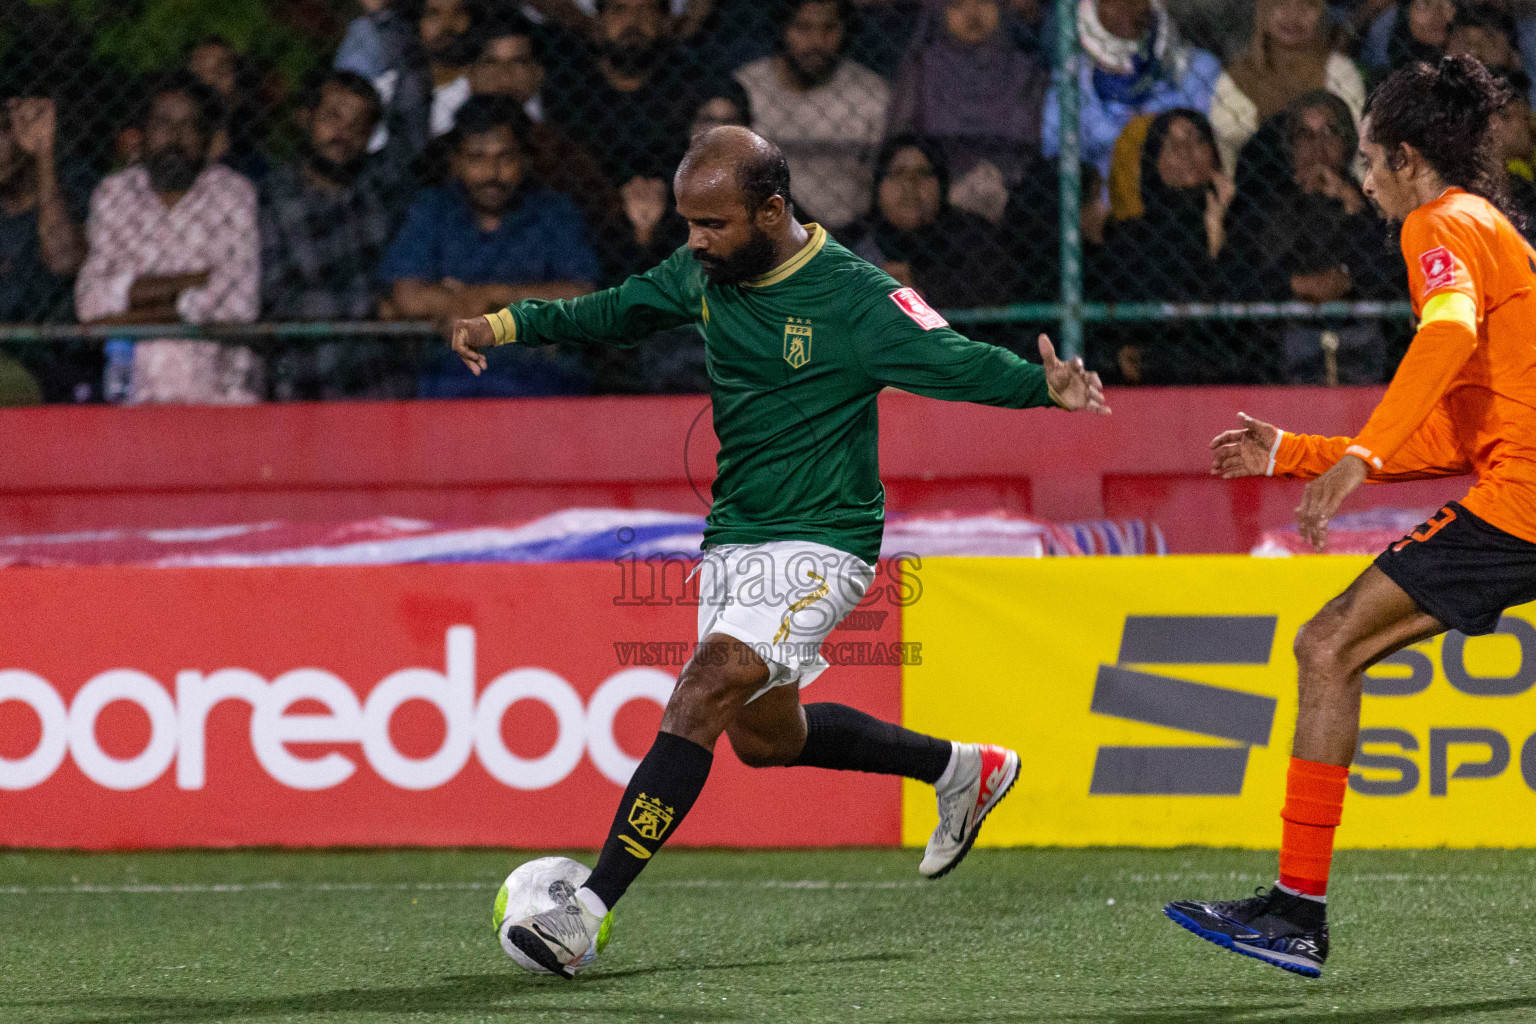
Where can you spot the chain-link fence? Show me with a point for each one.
(249, 200)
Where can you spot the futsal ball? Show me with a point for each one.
(535, 887)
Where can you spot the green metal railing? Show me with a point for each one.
(1069, 183)
(318, 331)
(1072, 315)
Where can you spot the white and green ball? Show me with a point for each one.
(535, 887)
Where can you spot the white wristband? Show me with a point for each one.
(1274, 450)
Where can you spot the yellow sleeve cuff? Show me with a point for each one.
(1456, 307)
(503, 325)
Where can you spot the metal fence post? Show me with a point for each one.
(1069, 177)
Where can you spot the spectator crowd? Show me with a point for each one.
(459, 155)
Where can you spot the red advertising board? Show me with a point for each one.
(497, 705)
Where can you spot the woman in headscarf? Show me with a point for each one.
(1306, 232)
(1137, 65)
(1173, 252)
(953, 257)
(1288, 56)
(967, 85)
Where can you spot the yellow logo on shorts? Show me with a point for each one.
(797, 341)
(802, 604)
(650, 817)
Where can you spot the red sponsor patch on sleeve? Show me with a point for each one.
(912, 304)
(1439, 268)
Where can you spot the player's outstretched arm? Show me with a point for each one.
(1072, 386)
(668, 295)
(1256, 448)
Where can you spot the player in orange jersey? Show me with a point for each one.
(1463, 400)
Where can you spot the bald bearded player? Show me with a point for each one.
(801, 336)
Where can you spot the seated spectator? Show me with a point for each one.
(1313, 237)
(824, 111)
(1395, 40)
(1031, 228)
(326, 220)
(510, 61)
(511, 65)
(384, 46)
(237, 143)
(42, 214)
(175, 238)
(628, 101)
(953, 257)
(1486, 31)
(652, 228)
(1137, 64)
(488, 239)
(43, 206)
(1288, 56)
(672, 361)
(966, 84)
(1171, 253)
(1514, 140)
(449, 35)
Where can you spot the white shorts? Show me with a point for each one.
(781, 599)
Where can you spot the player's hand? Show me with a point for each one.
(1323, 497)
(1244, 451)
(1072, 386)
(468, 337)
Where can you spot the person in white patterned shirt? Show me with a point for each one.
(175, 238)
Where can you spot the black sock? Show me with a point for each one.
(846, 739)
(670, 778)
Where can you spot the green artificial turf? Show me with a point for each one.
(845, 936)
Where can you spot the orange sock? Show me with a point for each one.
(1314, 804)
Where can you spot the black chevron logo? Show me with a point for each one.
(1242, 719)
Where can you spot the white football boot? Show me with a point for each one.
(560, 941)
(983, 775)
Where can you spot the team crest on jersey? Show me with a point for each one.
(797, 341)
(1439, 268)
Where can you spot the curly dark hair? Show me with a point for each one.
(1444, 111)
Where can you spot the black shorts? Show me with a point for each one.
(1461, 570)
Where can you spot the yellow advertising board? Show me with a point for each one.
(1153, 702)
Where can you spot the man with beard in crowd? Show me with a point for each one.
(174, 238)
(628, 105)
(326, 220)
(824, 111)
(490, 237)
(449, 36)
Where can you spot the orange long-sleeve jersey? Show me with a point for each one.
(1464, 397)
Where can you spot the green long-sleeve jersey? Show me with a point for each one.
(796, 359)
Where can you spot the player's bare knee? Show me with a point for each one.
(705, 699)
(1320, 650)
